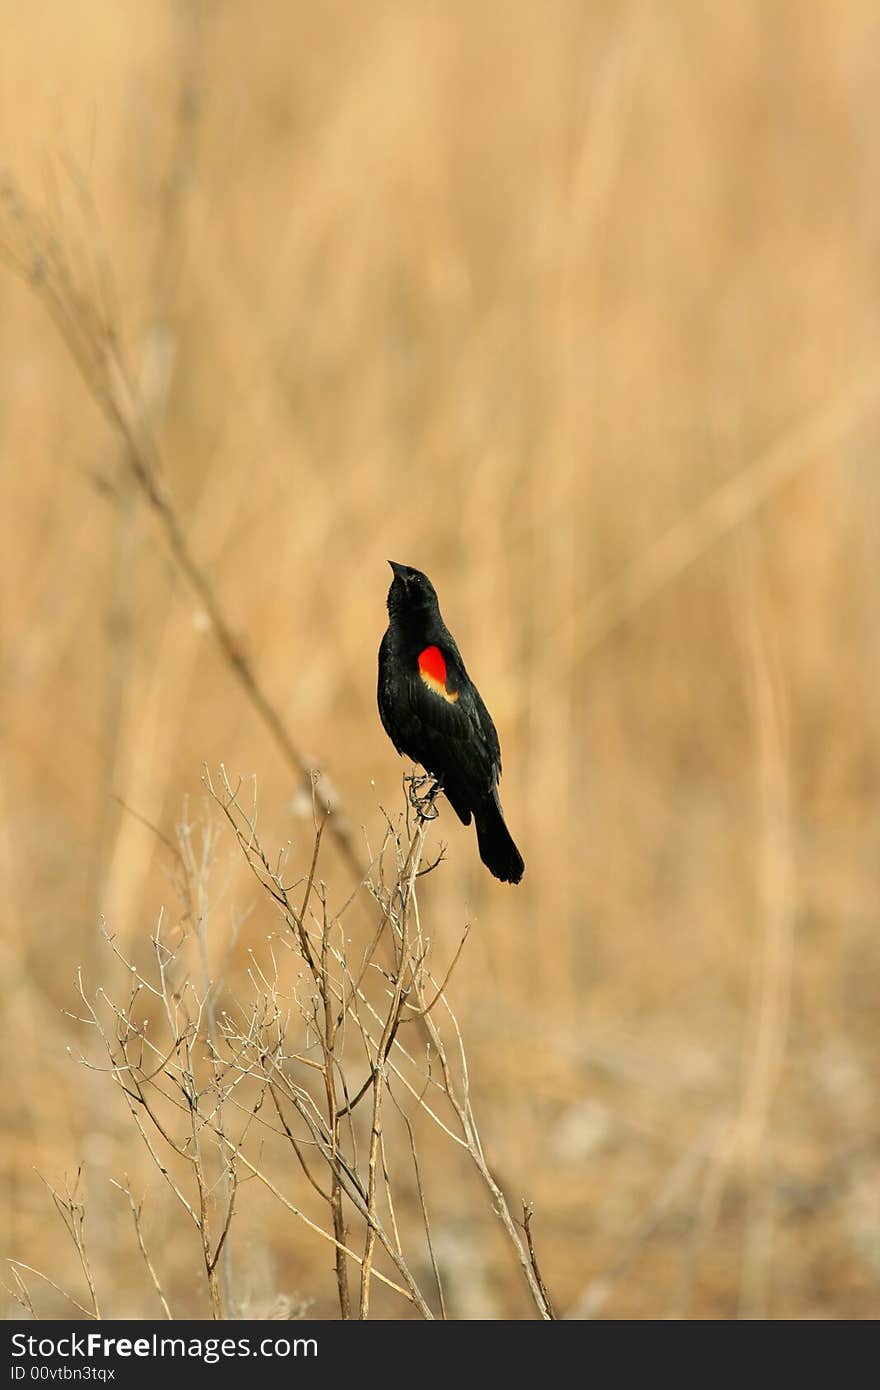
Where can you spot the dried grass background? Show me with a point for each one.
(577, 307)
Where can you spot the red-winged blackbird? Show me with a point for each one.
(433, 714)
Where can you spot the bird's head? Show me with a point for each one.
(410, 592)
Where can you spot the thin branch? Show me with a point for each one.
(135, 1209)
(528, 1213)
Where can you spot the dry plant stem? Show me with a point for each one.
(423, 1203)
(195, 871)
(528, 1213)
(333, 1114)
(337, 1002)
(123, 1071)
(317, 960)
(463, 1111)
(191, 1094)
(136, 1209)
(353, 1190)
(389, 1194)
(25, 1299)
(126, 1051)
(82, 305)
(20, 1293)
(392, 1020)
(370, 1242)
(317, 965)
(415, 848)
(461, 1103)
(409, 1292)
(73, 1214)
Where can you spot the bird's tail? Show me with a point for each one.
(497, 850)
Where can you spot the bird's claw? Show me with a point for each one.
(423, 802)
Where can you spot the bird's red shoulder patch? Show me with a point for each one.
(432, 668)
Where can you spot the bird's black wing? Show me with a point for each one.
(452, 735)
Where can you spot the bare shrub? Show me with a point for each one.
(313, 1081)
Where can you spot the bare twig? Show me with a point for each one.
(136, 1209)
(528, 1213)
(73, 1215)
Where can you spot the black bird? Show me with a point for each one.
(433, 714)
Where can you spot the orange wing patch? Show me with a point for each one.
(432, 669)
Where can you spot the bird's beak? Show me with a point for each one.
(399, 571)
